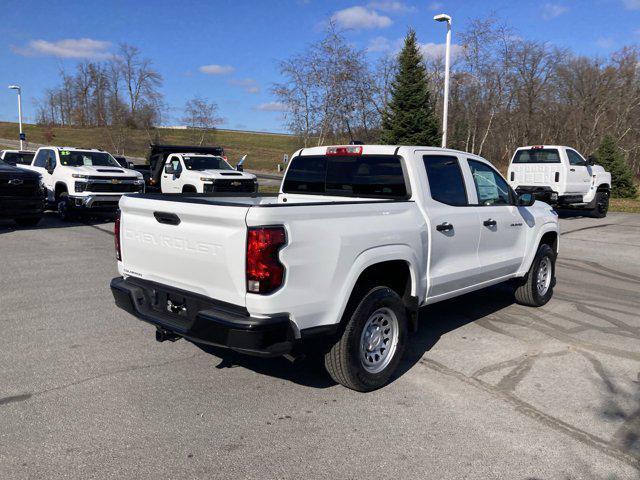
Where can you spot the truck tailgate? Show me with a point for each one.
(199, 248)
(535, 174)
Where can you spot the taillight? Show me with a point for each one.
(347, 151)
(265, 273)
(116, 236)
(513, 176)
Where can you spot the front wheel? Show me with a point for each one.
(536, 288)
(65, 212)
(372, 343)
(601, 206)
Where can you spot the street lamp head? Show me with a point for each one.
(443, 17)
(14, 87)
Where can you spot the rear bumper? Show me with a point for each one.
(550, 196)
(204, 320)
(19, 207)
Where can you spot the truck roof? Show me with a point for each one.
(378, 149)
(529, 147)
(75, 149)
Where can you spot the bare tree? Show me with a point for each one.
(201, 116)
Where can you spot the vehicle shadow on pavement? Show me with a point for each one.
(434, 322)
(50, 220)
(437, 320)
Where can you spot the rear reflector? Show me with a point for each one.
(557, 176)
(116, 236)
(265, 273)
(348, 151)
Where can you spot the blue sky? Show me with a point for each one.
(228, 51)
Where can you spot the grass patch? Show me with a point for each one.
(627, 205)
(263, 151)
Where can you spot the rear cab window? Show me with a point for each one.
(374, 176)
(446, 181)
(537, 155)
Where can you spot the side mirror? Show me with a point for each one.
(169, 170)
(591, 161)
(526, 199)
(48, 166)
(239, 167)
(131, 165)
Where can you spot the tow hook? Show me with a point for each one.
(163, 335)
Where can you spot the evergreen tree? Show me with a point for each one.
(409, 118)
(611, 158)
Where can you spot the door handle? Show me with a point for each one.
(444, 227)
(572, 169)
(490, 223)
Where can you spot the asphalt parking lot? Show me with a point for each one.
(489, 390)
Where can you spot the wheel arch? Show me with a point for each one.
(548, 235)
(60, 188)
(393, 266)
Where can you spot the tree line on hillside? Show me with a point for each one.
(506, 92)
(121, 93)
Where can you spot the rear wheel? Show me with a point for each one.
(601, 206)
(28, 221)
(372, 343)
(536, 288)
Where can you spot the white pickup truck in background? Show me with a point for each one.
(358, 238)
(202, 173)
(561, 176)
(83, 180)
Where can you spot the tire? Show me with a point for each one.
(65, 212)
(380, 318)
(601, 205)
(528, 292)
(28, 221)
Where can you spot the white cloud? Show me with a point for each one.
(249, 85)
(605, 43)
(553, 10)
(435, 6)
(67, 48)
(396, 7)
(272, 107)
(431, 51)
(217, 69)
(631, 4)
(360, 18)
(380, 44)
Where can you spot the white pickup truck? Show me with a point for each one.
(358, 238)
(561, 176)
(81, 180)
(202, 173)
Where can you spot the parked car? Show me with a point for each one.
(83, 180)
(20, 157)
(158, 155)
(22, 195)
(194, 172)
(562, 177)
(357, 239)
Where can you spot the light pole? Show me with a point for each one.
(17, 87)
(445, 18)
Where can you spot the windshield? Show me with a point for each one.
(537, 155)
(13, 158)
(206, 163)
(76, 158)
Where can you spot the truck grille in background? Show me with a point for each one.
(28, 187)
(112, 188)
(232, 185)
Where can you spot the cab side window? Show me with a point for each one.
(445, 179)
(175, 163)
(575, 159)
(492, 189)
(52, 158)
(41, 159)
